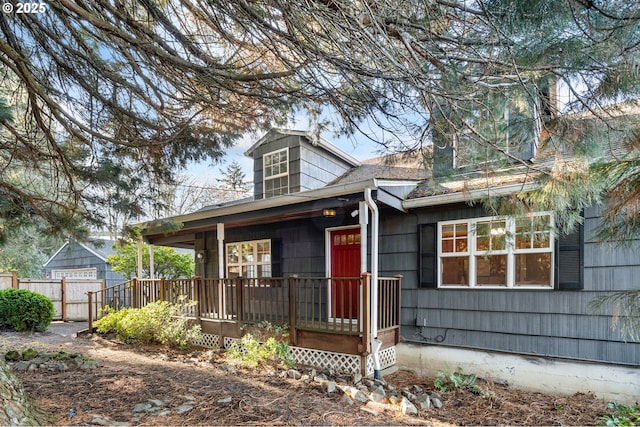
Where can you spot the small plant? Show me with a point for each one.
(250, 353)
(24, 310)
(159, 322)
(265, 329)
(459, 380)
(622, 415)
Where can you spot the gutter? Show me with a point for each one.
(376, 344)
(465, 196)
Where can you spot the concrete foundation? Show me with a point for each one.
(614, 383)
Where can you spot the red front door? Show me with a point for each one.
(345, 262)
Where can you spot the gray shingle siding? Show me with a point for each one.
(538, 322)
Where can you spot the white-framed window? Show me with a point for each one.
(496, 252)
(250, 259)
(75, 273)
(276, 173)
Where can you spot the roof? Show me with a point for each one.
(101, 248)
(314, 140)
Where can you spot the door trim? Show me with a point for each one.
(327, 250)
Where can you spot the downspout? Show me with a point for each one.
(376, 344)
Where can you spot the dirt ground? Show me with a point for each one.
(200, 389)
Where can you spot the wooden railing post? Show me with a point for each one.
(90, 312)
(366, 312)
(240, 299)
(398, 306)
(63, 297)
(134, 291)
(163, 290)
(293, 338)
(196, 296)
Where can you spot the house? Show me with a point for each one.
(449, 283)
(84, 260)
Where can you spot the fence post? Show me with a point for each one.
(90, 300)
(398, 307)
(63, 297)
(293, 337)
(366, 312)
(14, 279)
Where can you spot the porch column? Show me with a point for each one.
(364, 222)
(220, 236)
(152, 272)
(139, 273)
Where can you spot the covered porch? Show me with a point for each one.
(346, 323)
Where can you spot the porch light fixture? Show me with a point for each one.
(329, 213)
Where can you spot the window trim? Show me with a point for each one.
(266, 178)
(255, 264)
(471, 253)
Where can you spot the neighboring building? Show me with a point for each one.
(84, 260)
(472, 281)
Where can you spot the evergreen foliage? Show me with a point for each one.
(24, 310)
(103, 105)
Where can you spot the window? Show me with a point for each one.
(76, 273)
(496, 252)
(249, 259)
(276, 173)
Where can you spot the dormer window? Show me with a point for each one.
(276, 173)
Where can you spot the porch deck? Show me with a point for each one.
(327, 314)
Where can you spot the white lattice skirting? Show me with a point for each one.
(319, 358)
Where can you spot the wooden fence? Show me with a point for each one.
(69, 296)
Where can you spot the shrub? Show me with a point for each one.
(250, 353)
(459, 380)
(157, 323)
(622, 415)
(23, 310)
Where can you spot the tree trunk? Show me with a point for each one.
(17, 408)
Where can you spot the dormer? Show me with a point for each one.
(290, 161)
(506, 128)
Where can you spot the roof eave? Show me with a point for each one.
(274, 202)
(465, 196)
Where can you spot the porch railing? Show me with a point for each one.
(335, 305)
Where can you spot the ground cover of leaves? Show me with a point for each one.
(127, 376)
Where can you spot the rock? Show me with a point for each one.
(369, 411)
(406, 393)
(417, 389)
(320, 378)
(347, 400)
(142, 407)
(227, 399)
(293, 373)
(408, 408)
(423, 401)
(183, 408)
(435, 400)
(378, 395)
(328, 386)
(355, 394)
(100, 421)
(357, 377)
(156, 402)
